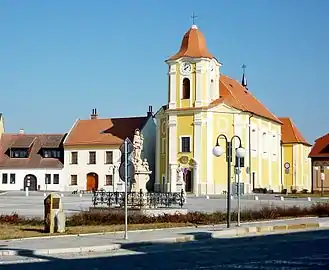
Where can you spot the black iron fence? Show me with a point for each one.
(138, 199)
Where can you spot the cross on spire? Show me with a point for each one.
(244, 68)
(193, 17)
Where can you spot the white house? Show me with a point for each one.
(31, 160)
(91, 150)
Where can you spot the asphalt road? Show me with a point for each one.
(33, 204)
(303, 250)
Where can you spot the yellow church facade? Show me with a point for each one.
(203, 103)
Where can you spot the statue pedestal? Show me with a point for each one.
(140, 181)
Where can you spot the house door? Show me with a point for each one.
(92, 181)
(30, 181)
(188, 181)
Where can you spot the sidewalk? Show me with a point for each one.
(113, 241)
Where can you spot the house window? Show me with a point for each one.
(21, 153)
(51, 153)
(109, 180)
(74, 180)
(12, 178)
(4, 178)
(56, 179)
(92, 157)
(48, 179)
(186, 88)
(185, 144)
(109, 157)
(74, 157)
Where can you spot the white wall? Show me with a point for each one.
(40, 175)
(83, 168)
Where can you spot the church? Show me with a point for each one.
(204, 103)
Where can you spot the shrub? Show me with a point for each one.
(15, 219)
(198, 218)
(304, 191)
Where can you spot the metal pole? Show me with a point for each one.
(238, 189)
(126, 190)
(228, 157)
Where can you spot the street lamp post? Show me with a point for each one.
(218, 151)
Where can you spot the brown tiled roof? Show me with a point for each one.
(290, 133)
(23, 141)
(235, 95)
(104, 131)
(320, 147)
(35, 160)
(193, 45)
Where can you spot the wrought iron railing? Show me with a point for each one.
(138, 199)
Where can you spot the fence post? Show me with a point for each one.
(140, 198)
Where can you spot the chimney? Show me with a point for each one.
(21, 131)
(150, 112)
(94, 114)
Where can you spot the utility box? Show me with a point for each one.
(54, 216)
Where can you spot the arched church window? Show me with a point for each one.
(186, 88)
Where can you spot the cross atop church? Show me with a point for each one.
(193, 17)
(244, 68)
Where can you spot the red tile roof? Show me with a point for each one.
(320, 147)
(104, 131)
(290, 133)
(193, 45)
(233, 94)
(34, 142)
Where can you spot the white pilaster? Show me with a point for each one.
(196, 179)
(270, 154)
(172, 151)
(199, 90)
(172, 86)
(197, 151)
(210, 141)
(247, 157)
(279, 160)
(173, 178)
(260, 153)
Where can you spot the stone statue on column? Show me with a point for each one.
(180, 179)
(138, 147)
(142, 169)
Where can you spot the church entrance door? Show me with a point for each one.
(188, 181)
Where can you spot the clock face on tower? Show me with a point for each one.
(186, 68)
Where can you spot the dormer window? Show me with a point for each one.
(19, 153)
(51, 153)
(186, 89)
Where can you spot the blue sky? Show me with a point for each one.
(59, 59)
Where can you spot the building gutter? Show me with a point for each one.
(249, 149)
(281, 160)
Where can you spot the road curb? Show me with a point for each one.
(266, 229)
(239, 231)
(154, 229)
